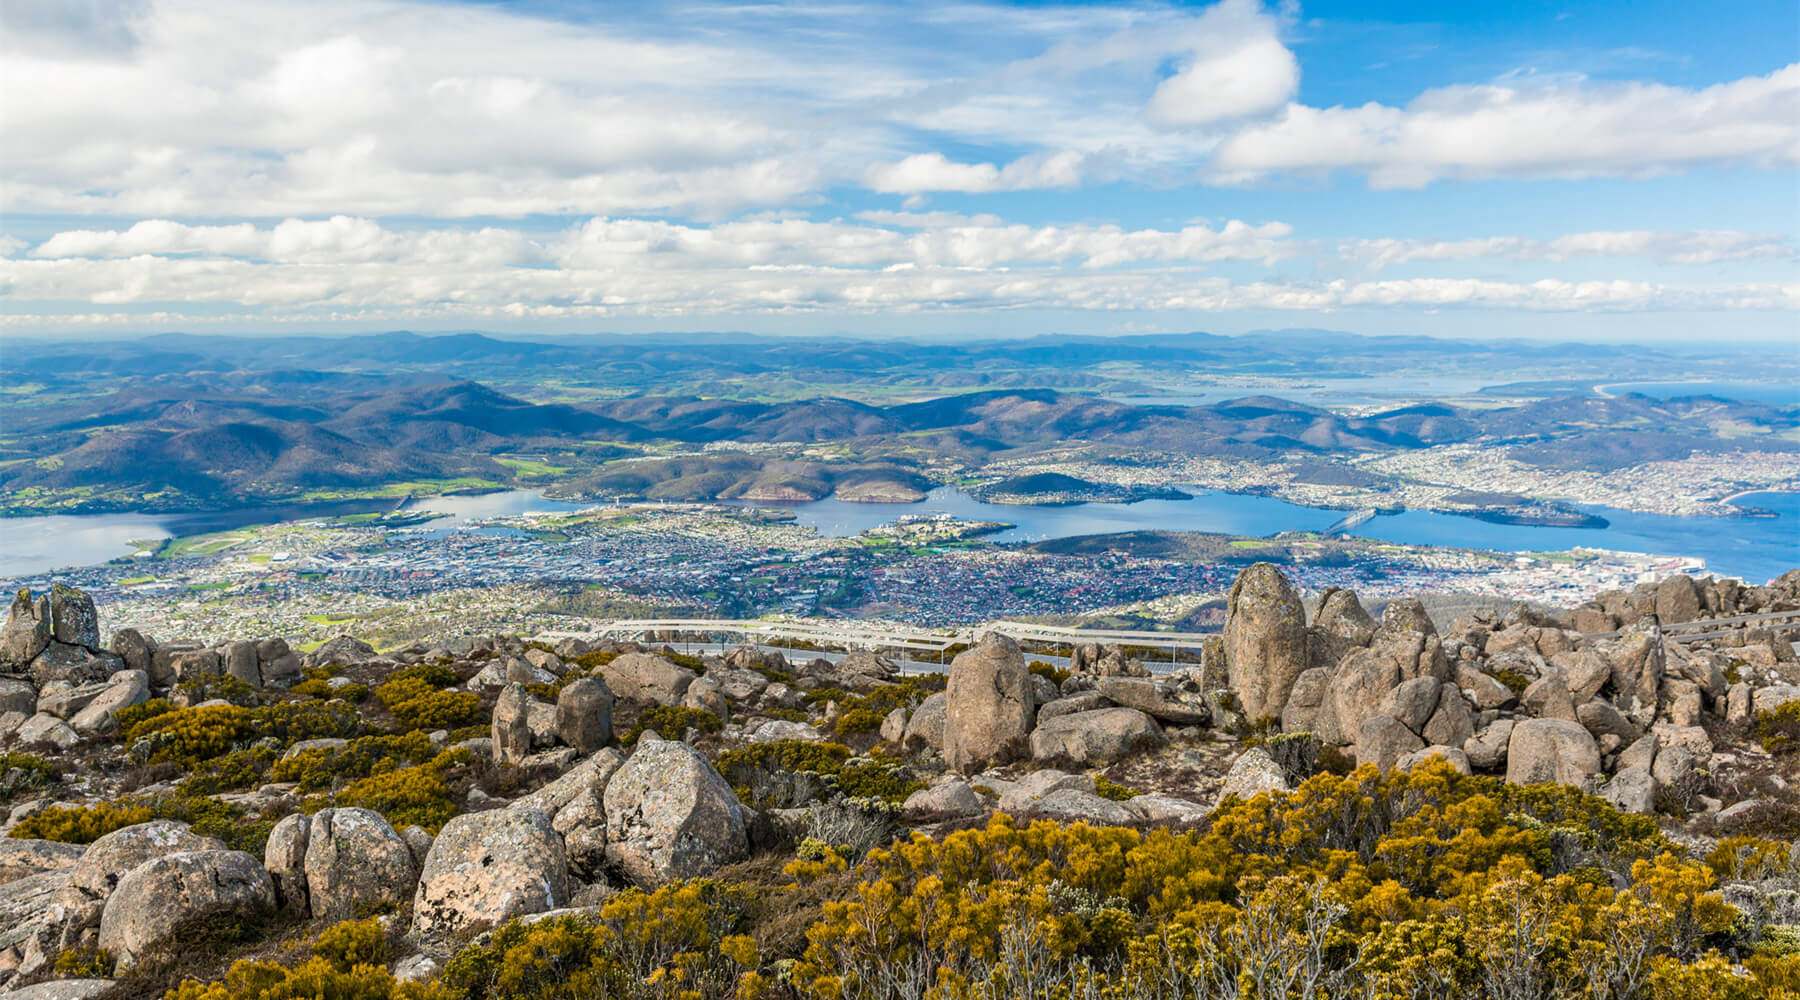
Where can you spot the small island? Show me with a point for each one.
(1053, 489)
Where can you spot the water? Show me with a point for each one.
(1777, 393)
(1755, 549)
(1321, 391)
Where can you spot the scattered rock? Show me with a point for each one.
(669, 815)
(157, 900)
(355, 859)
(487, 867)
(989, 706)
(1095, 738)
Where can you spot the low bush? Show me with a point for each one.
(318, 768)
(416, 699)
(1050, 671)
(790, 773)
(1779, 729)
(193, 735)
(209, 817)
(23, 772)
(671, 721)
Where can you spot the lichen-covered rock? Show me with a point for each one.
(44, 728)
(1677, 600)
(73, 619)
(354, 859)
(23, 858)
(669, 815)
(1253, 773)
(1265, 640)
(511, 728)
(646, 678)
(1412, 702)
(27, 630)
(284, 858)
(1342, 615)
(1556, 750)
(100, 717)
(1452, 723)
(239, 659)
(946, 800)
(1454, 756)
(893, 726)
(134, 648)
(1072, 805)
(61, 661)
(1632, 790)
(584, 714)
(1095, 738)
(1382, 740)
(111, 856)
(485, 868)
(1157, 697)
(1487, 748)
(925, 729)
(989, 706)
(157, 900)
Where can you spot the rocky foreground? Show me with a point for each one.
(161, 790)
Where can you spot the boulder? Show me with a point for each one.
(1342, 615)
(240, 661)
(157, 901)
(947, 800)
(73, 619)
(1095, 738)
(46, 729)
(925, 730)
(704, 694)
(584, 714)
(485, 868)
(27, 631)
(1163, 809)
(1085, 701)
(1265, 640)
(62, 989)
(1412, 702)
(1306, 704)
(1771, 698)
(1600, 717)
(893, 726)
(1484, 691)
(1073, 805)
(355, 860)
(1738, 703)
(989, 706)
(1553, 750)
(1677, 600)
(284, 858)
(1549, 697)
(17, 695)
(74, 664)
(1487, 748)
(669, 815)
(778, 730)
(1382, 740)
(1632, 790)
(1454, 756)
(1253, 773)
(1635, 659)
(188, 664)
(100, 717)
(345, 649)
(24, 858)
(107, 859)
(1159, 698)
(134, 648)
(1025, 793)
(511, 725)
(1583, 671)
(645, 678)
(1451, 723)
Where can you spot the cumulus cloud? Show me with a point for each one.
(1239, 68)
(1558, 129)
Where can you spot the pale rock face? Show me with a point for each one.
(1677, 600)
(1253, 773)
(485, 868)
(1636, 662)
(110, 857)
(1085, 701)
(511, 725)
(1487, 748)
(989, 706)
(1161, 698)
(240, 662)
(1549, 698)
(1632, 790)
(1412, 702)
(1600, 718)
(777, 730)
(704, 694)
(1342, 615)
(1025, 793)
(643, 677)
(157, 900)
(1095, 738)
(1156, 809)
(584, 714)
(73, 618)
(284, 857)
(1554, 750)
(1584, 671)
(1265, 640)
(925, 730)
(99, 718)
(354, 858)
(24, 858)
(669, 815)
(893, 726)
(1382, 740)
(133, 647)
(1070, 805)
(951, 799)
(27, 631)
(47, 728)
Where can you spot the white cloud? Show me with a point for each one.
(923, 172)
(1710, 246)
(1239, 69)
(1560, 129)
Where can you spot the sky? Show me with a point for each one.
(1602, 170)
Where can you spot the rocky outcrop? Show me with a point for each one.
(584, 714)
(157, 900)
(27, 631)
(488, 867)
(669, 815)
(1166, 699)
(355, 860)
(1265, 640)
(644, 678)
(73, 619)
(989, 706)
(511, 725)
(284, 858)
(1095, 738)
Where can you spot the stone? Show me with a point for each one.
(925, 730)
(989, 706)
(284, 858)
(1164, 809)
(485, 868)
(1483, 690)
(1600, 717)
(778, 730)
(1305, 705)
(74, 664)
(1085, 701)
(511, 725)
(1342, 615)
(61, 989)
(861, 670)
(1693, 739)
(107, 859)
(191, 663)
(669, 815)
(584, 714)
(239, 659)
(46, 729)
(1043, 690)
(1454, 756)
(100, 717)
(1157, 697)
(27, 631)
(17, 695)
(1677, 600)
(134, 648)
(1674, 765)
(1771, 698)
(893, 726)
(354, 860)
(1025, 793)
(24, 858)
(1412, 702)
(948, 800)
(704, 694)
(1382, 740)
(1487, 748)
(1358, 687)
(1636, 662)
(157, 901)
(1406, 614)
(1641, 753)
(1265, 640)
(1551, 750)
(742, 687)
(1253, 773)
(1738, 703)
(1632, 790)
(645, 678)
(545, 660)
(1094, 738)
(345, 649)
(1583, 671)
(1452, 723)
(540, 718)
(73, 619)
(1073, 805)
(1548, 697)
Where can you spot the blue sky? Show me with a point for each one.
(1589, 171)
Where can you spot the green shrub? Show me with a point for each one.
(1108, 789)
(208, 687)
(407, 797)
(236, 770)
(209, 817)
(319, 768)
(1779, 729)
(351, 943)
(1056, 675)
(765, 771)
(673, 720)
(24, 772)
(416, 699)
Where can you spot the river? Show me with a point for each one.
(1755, 549)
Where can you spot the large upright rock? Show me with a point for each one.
(355, 860)
(135, 648)
(669, 815)
(1551, 750)
(1342, 615)
(511, 729)
(584, 714)
(925, 728)
(1265, 640)
(27, 631)
(284, 857)
(1677, 600)
(643, 677)
(73, 618)
(989, 706)
(240, 662)
(156, 901)
(486, 868)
